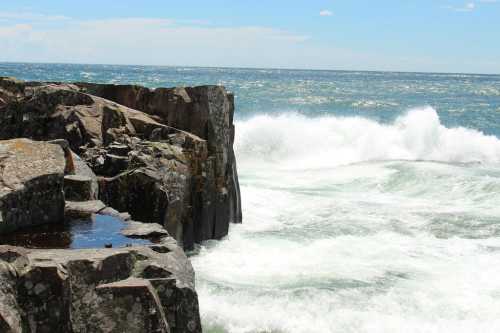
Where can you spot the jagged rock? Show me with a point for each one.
(10, 90)
(83, 170)
(125, 216)
(205, 111)
(31, 184)
(143, 230)
(78, 188)
(132, 289)
(10, 312)
(130, 305)
(164, 182)
(83, 209)
(113, 165)
(148, 163)
(68, 155)
(44, 295)
(49, 111)
(156, 188)
(183, 178)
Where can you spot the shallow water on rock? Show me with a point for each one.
(95, 232)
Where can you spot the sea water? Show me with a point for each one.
(371, 200)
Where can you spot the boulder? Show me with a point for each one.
(132, 289)
(31, 184)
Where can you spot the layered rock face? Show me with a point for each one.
(204, 111)
(163, 155)
(31, 184)
(148, 289)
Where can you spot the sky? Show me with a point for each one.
(404, 35)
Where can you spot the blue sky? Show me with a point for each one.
(425, 35)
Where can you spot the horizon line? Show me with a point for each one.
(251, 68)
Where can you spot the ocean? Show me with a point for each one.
(371, 200)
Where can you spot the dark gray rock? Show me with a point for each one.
(205, 111)
(164, 155)
(11, 320)
(83, 170)
(133, 289)
(155, 189)
(78, 188)
(158, 173)
(130, 305)
(31, 184)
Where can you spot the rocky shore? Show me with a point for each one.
(97, 152)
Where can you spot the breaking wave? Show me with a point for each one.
(295, 141)
(345, 232)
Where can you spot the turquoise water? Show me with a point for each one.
(371, 200)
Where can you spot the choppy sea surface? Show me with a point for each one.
(371, 199)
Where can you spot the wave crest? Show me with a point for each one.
(295, 141)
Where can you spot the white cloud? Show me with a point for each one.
(471, 6)
(29, 16)
(325, 12)
(14, 31)
(468, 7)
(145, 41)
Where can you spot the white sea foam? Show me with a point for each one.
(296, 141)
(344, 231)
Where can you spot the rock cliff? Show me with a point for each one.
(164, 155)
(82, 153)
